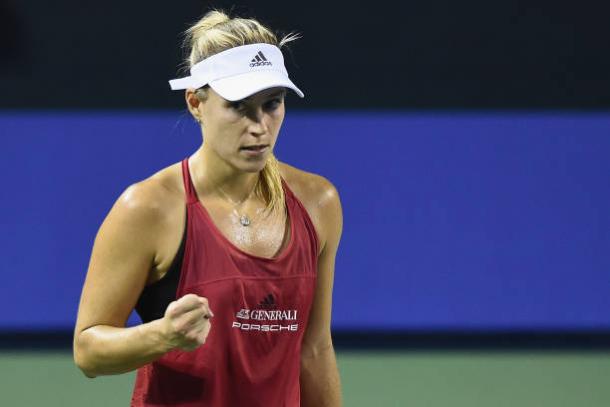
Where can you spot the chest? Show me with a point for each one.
(250, 228)
(266, 236)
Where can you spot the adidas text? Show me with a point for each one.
(262, 63)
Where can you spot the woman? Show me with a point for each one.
(228, 256)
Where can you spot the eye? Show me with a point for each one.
(273, 104)
(237, 105)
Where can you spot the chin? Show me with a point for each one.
(251, 166)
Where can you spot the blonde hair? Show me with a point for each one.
(216, 32)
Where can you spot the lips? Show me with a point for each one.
(254, 151)
(256, 147)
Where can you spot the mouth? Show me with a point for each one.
(254, 150)
(257, 147)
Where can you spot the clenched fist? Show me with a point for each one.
(187, 322)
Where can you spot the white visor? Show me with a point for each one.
(239, 72)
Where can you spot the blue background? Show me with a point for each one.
(452, 221)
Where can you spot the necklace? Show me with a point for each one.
(244, 220)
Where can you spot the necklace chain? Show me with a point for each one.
(231, 200)
(244, 219)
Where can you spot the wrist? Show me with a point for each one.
(158, 333)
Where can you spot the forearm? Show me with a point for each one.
(320, 382)
(106, 350)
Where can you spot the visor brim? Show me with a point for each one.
(239, 87)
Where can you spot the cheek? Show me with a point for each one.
(228, 137)
(276, 119)
(223, 124)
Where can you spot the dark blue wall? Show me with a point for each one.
(452, 221)
(439, 54)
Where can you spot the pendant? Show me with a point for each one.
(244, 220)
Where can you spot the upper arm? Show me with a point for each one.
(122, 256)
(330, 215)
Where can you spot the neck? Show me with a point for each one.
(209, 173)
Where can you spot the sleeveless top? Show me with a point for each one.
(261, 308)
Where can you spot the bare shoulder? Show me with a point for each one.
(308, 183)
(142, 211)
(153, 196)
(153, 210)
(320, 198)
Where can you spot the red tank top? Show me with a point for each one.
(261, 308)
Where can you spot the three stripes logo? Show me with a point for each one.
(259, 60)
(267, 302)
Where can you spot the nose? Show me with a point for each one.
(258, 124)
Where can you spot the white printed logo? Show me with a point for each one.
(264, 314)
(243, 314)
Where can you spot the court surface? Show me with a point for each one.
(422, 379)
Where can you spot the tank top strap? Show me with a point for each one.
(189, 189)
(288, 194)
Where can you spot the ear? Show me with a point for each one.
(193, 103)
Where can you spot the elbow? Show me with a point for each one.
(88, 374)
(82, 357)
(86, 368)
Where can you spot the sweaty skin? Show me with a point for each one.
(140, 237)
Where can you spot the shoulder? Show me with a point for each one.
(320, 198)
(152, 200)
(308, 183)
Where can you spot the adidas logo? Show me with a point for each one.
(259, 60)
(267, 302)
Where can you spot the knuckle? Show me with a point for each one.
(188, 298)
(182, 329)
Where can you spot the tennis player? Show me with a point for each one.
(227, 256)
